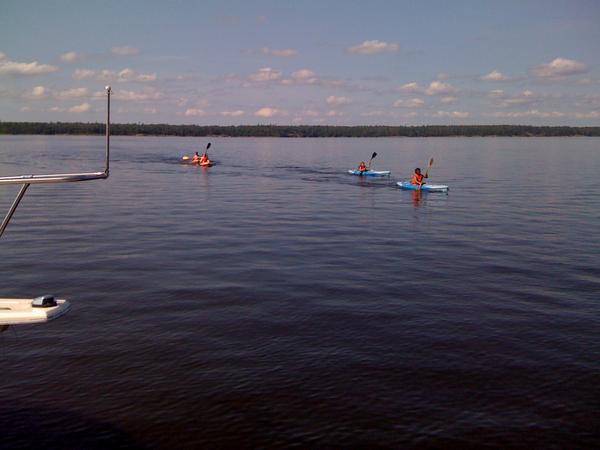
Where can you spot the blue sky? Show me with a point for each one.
(302, 62)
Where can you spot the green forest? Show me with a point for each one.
(136, 129)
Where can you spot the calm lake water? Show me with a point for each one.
(274, 300)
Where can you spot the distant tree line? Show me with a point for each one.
(135, 129)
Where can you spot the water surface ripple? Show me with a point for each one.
(274, 301)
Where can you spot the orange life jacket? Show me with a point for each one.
(362, 167)
(417, 179)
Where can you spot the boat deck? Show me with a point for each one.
(20, 311)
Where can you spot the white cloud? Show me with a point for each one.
(72, 93)
(376, 113)
(194, 112)
(109, 75)
(283, 53)
(84, 107)
(589, 115)
(133, 96)
(333, 113)
(453, 114)
(412, 103)
(439, 88)
(269, 112)
(132, 75)
(373, 47)
(526, 97)
(412, 87)
(266, 74)
(494, 75)
(19, 68)
(38, 92)
(182, 101)
(235, 113)
(496, 93)
(83, 74)
(338, 101)
(559, 67)
(56, 109)
(70, 57)
(449, 99)
(530, 113)
(150, 110)
(305, 76)
(125, 51)
(311, 113)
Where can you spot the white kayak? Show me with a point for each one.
(370, 173)
(406, 185)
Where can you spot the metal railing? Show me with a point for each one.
(26, 180)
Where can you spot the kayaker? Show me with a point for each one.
(196, 158)
(204, 158)
(362, 167)
(418, 178)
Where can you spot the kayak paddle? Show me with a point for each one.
(185, 157)
(207, 147)
(429, 167)
(372, 156)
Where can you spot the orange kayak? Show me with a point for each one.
(203, 164)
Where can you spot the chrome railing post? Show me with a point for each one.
(106, 168)
(13, 208)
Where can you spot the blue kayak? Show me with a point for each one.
(370, 173)
(406, 185)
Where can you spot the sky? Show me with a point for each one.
(326, 62)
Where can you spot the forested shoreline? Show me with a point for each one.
(129, 129)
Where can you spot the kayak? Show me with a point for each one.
(204, 164)
(189, 160)
(370, 173)
(406, 185)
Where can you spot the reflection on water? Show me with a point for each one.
(417, 196)
(275, 300)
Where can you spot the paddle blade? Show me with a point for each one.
(428, 167)
(208, 146)
(185, 157)
(374, 155)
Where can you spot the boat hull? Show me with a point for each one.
(14, 311)
(406, 185)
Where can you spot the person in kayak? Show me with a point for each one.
(204, 158)
(362, 167)
(418, 178)
(196, 158)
